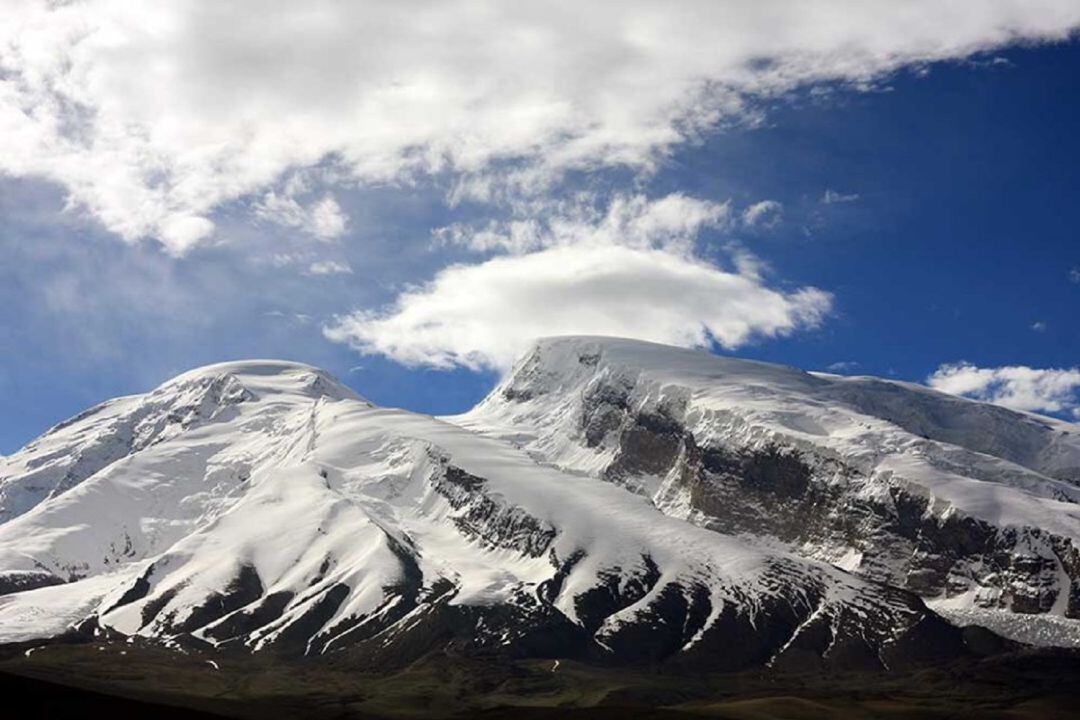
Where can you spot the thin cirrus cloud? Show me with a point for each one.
(631, 272)
(843, 366)
(1047, 390)
(321, 219)
(230, 98)
(330, 267)
(764, 214)
(832, 197)
(672, 222)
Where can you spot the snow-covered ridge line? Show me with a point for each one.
(263, 506)
(868, 422)
(950, 497)
(91, 441)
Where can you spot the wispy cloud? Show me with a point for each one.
(832, 197)
(765, 214)
(322, 218)
(330, 267)
(673, 222)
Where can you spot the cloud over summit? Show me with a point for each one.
(631, 272)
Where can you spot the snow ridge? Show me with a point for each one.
(263, 506)
(952, 498)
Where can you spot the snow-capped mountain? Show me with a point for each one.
(610, 500)
(970, 505)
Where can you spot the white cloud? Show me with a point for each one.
(181, 232)
(1052, 390)
(831, 197)
(290, 317)
(151, 116)
(484, 315)
(1074, 275)
(626, 268)
(323, 219)
(327, 219)
(764, 214)
(842, 366)
(672, 222)
(330, 267)
(1038, 326)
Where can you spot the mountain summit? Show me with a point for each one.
(611, 501)
(970, 505)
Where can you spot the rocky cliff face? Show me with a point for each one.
(967, 505)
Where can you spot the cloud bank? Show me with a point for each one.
(1052, 390)
(153, 116)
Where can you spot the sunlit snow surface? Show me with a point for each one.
(987, 461)
(289, 473)
(279, 468)
(1008, 468)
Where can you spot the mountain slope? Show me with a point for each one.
(972, 506)
(263, 506)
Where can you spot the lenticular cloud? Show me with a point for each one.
(484, 315)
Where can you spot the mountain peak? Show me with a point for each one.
(88, 443)
(267, 377)
(806, 405)
(565, 358)
(761, 449)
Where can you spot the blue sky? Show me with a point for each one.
(966, 225)
(912, 217)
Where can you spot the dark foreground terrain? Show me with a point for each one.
(127, 681)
